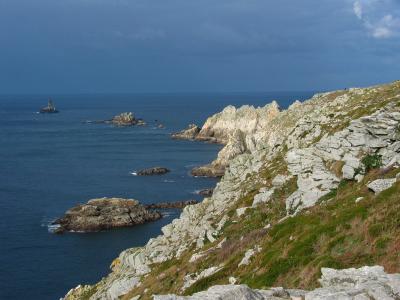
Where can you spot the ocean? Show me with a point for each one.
(52, 162)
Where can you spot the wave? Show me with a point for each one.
(133, 173)
(53, 227)
(170, 214)
(168, 180)
(191, 166)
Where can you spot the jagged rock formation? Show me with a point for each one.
(153, 171)
(189, 133)
(365, 283)
(105, 213)
(299, 158)
(122, 120)
(238, 128)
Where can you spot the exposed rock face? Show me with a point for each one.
(192, 278)
(246, 119)
(208, 171)
(331, 128)
(105, 213)
(375, 134)
(189, 133)
(153, 171)
(238, 128)
(363, 283)
(235, 292)
(166, 205)
(369, 283)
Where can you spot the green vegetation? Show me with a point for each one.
(338, 232)
(372, 161)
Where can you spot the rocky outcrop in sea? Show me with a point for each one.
(189, 133)
(315, 186)
(153, 171)
(122, 120)
(105, 213)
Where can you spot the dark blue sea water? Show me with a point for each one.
(49, 163)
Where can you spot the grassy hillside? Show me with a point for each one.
(338, 233)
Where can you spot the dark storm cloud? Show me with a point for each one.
(180, 45)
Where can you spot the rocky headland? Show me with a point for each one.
(309, 204)
(236, 128)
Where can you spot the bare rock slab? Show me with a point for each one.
(380, 185)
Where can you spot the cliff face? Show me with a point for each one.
(294, 198)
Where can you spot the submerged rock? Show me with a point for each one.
(153, 171)
(105, 213)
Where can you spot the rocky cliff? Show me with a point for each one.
(314, 186)
(239, 129)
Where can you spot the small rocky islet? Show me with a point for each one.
(107, 213)
(125, 119)
(152, 171)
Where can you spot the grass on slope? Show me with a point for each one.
(338, 233)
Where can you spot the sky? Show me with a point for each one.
(105, 46)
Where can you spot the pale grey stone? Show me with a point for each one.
(248, 255)
(263, 197)
(380, 185)
(348, 172)
(241, 211)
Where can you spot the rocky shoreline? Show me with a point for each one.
(169, 205)
(238, 129)
(310, 187)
